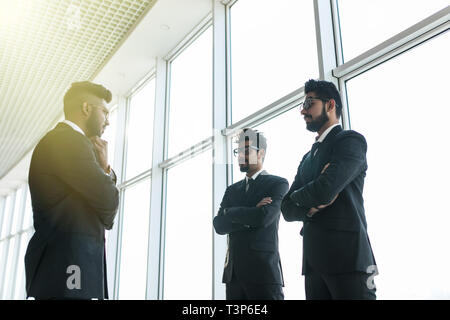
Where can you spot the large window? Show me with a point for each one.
(365, 24)
(402, 110)
(13, 244)
(266, 49)
(133, 256)
(140, 130)
(190, 117)
(188, 240)
(188, 228)
(135, 212)
(273, 51)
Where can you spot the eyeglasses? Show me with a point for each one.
(308, 103)
(105, 111)
(237, 151)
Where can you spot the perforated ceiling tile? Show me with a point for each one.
(44, 46)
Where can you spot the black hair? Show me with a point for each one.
(256, 138)
(78, 91)
(325, 90)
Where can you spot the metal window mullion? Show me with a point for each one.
(135, 180)
(326, 49)
(116, 242)
(337, 32)
(329, 48)
(140, 84)
(228, 3)
(198, 30)
(345, 118)
(187, 154)
(405, 39)
(381, 58)
(154, 263)
(127, 111)
(228, 99)
(219, 142)
(272, 110)
(113, 235)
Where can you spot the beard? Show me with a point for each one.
(315, 125)
(244, 167)
(93, 127)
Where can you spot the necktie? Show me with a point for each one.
(249, 183)
(314, 148)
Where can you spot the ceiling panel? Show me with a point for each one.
(45, 45)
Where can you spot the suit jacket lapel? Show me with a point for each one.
(253, 192)
(332, 134)
(316, 163)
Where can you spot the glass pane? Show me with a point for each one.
(140, 130)
(3, 258)
(133, 259)
(10, 268)
(191, 95)
(28, 218)
(6, 222)
(17, 215)
(110, 135)
(287, 142)
(273, 51)
(188, 242)
(407, 136)
(365, 24)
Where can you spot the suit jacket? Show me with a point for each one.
(252, 232)
(73, 202)
(335, 239)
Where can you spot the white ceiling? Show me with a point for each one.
(47, 44)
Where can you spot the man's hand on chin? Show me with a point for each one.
(101, 150)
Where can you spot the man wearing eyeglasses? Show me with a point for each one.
(74, 199)
(249, 214)
(327, 196)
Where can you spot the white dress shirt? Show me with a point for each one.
(74, 126)
(324, 135)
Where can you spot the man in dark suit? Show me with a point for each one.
(74, 199)
(249, 214)
(327, 196)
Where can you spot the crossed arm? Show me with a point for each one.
(233, 219)
(346, 162)
(293, 211)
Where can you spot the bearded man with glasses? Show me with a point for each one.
(326, 196)
(74, 199)
(249, 215)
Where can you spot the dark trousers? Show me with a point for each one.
(347, 286)
(237, 290)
